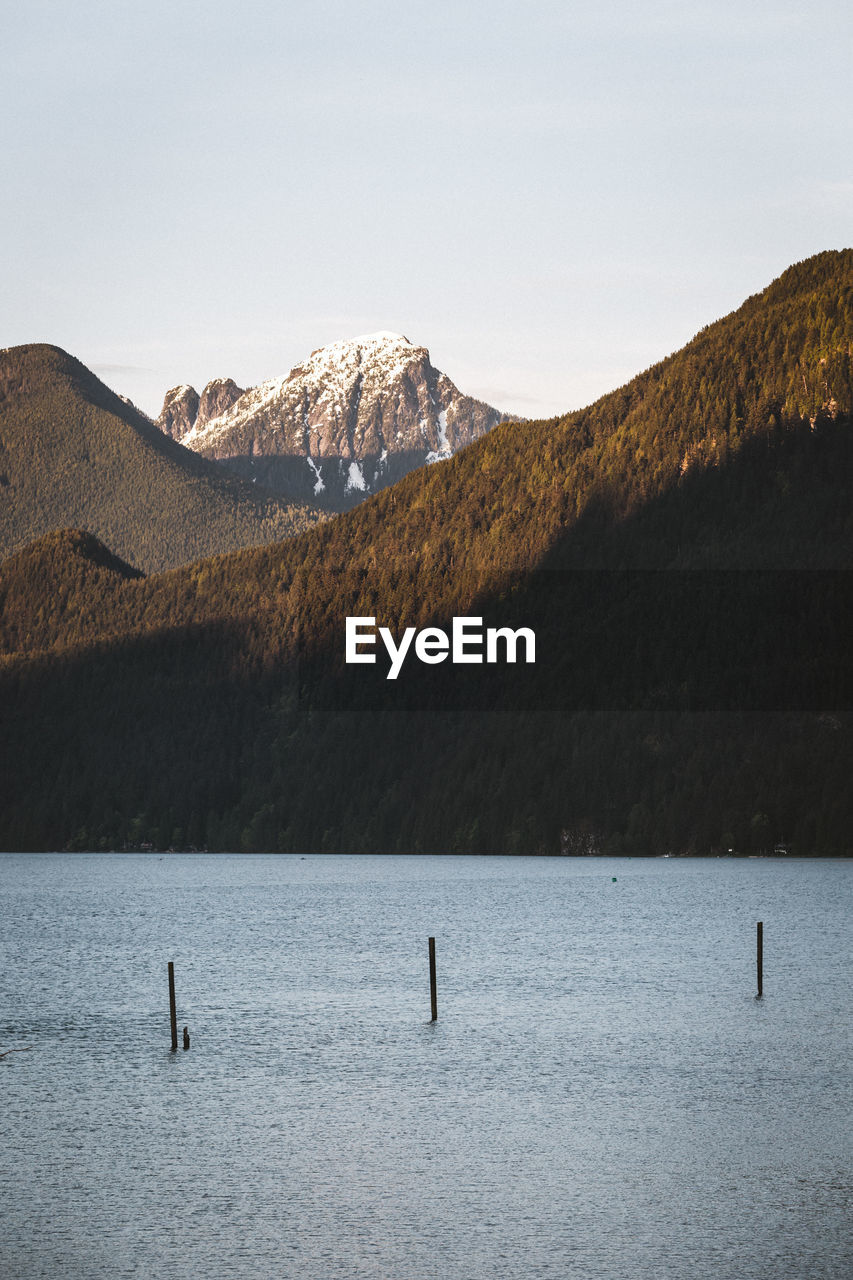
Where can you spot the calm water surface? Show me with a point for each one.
(602, 1095)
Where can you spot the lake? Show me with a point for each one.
(601, 1095)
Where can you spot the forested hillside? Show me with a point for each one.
(681, 549)
(72, 453)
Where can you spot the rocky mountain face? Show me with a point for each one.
(353, 418)
(183, 408)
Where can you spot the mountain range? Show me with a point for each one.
(353, 418)
(680, 548)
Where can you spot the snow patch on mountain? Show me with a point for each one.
(355, 479)
(444, 450)
(319, 486)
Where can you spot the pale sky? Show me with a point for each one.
(550, 196)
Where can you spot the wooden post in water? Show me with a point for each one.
(759, 955)
(432, 989)
(172, 1008)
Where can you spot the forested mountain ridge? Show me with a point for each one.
(781, 360)
(531, 494)
(674, 706)
(72, 453)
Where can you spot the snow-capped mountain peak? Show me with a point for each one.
(375, 401)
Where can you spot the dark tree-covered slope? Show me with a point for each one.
(681, 549)
(72, 453)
